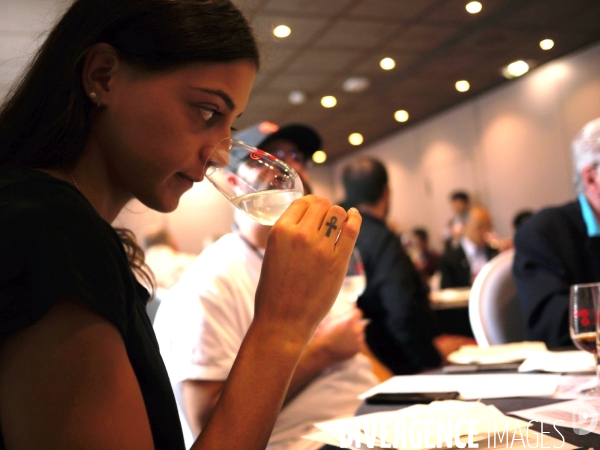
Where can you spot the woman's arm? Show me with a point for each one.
(66, 383)
(333, 342)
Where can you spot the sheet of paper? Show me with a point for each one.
(559, 362)
(570, 386)
(578, 414)
(473, 386)
(494, 354)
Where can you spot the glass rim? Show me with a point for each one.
(585, 285)
(231, 143)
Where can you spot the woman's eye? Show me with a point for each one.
(206, 113)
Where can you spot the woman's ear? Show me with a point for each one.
(100, 65)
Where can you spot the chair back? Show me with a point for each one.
(494, 311)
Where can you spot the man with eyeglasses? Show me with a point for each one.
(294, 144)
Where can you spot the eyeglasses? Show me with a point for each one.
(294, 155)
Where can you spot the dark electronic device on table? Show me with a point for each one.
(409, 397)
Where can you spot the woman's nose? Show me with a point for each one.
(219, 154)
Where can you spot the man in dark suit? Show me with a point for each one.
(559, 247)
(459, 265)
(402, 332)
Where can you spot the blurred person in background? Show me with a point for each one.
(204, 318)
(164, 258)
(425, 259)
(460, 265)
(520, 218)
(560, 246)
(460, 203)
(402, 333)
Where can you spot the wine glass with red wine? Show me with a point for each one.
(583, 323)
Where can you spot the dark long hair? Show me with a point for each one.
(45, 120)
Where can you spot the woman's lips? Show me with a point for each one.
(189, 179)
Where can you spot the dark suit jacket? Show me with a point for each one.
(395, 300)
(552, 252)
(455, 268)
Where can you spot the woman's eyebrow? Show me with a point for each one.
(226, 98)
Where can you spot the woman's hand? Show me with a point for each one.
(305, 264)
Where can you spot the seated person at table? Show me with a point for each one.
(202, 322)
(425, 259)
(460, 265)
(402, 333)
(560, 246)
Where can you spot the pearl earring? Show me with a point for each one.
(93, 95)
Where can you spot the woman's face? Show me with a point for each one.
(156, 132)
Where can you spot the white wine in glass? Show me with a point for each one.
(583, 324)
(252, 180)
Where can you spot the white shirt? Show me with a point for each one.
(200, 326)
(476, 256)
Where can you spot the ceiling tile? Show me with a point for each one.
(417, 38)
(328, 8)
(392, 10)
(355, 34)
(320, 61)
(289, 82)
(549, 12)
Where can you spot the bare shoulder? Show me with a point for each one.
(66, 382)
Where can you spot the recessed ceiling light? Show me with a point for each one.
(356, 84)
(319, 157)
(462, 86)
(387, 63)
(297, 97)
(329, 101)
(546, 44)
(515, 69)
(282, 31)
(356, 139)
(473, 7)
(401, 115)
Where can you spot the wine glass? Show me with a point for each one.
(353, 286)
(252, 180)
(355, 281)
(583, 323)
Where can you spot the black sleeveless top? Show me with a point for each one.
(55, 245)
